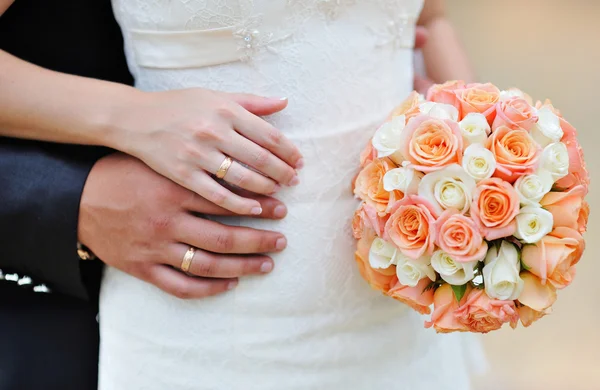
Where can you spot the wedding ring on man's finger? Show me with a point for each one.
(187, 259)
(225, 165)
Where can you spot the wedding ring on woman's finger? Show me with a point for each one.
(224, 168)
(187, 259)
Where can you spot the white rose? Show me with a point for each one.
(387, 138)
(511, 93)
(410, 272)
(533, 223)
(547, 129)
(452, 271)
(475, 128)
(501, 272)
(479, 162)
(532, 188)
(439, 110)
(382, 254)
(555, 159)
(405, 179)
(447, 188)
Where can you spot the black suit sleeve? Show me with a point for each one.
(40, 191)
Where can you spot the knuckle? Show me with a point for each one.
(218, 197)
(160, 224)
(224, 241)
(182, 291)
(261, 158)
(208, 267)
(241, 179)
(182, 171)
(225, 110)
(274, 136)
(205, 132)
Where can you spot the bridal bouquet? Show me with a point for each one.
(473, 202)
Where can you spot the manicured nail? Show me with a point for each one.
(232, 285)
(295, 181)
(283, 99)
(300, 164)
(280, 211)
(266, 267)
(256, 211)
(280, 244)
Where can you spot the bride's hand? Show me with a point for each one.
(185, 135)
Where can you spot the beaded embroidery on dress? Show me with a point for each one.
(313, 323)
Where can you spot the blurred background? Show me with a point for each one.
(548, 48)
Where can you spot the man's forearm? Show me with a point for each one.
(40, 193)
(37, 103)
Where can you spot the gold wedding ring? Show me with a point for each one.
(225, 165)
(187, 259)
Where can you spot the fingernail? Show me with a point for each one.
(232, 285)
(280, 244)
(283, 99)
(256, 211)
(300, 164)
(295, 181)
(266, 267)
(280, 211)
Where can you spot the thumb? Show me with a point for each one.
(422, 84)
(259, 105)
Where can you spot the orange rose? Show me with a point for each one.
(481, 98)
(458, 236)
(446, 93)
(495, 206)
(516, 153)
(514, 113)
(409, 107)
(578, 173)
(369, 185)
(415, 297)
(411, 226)
(536, 299)
(431, 144)
(554, 257)
(482, 314)
(379, 279)
(366, 218)
(568, 208)
(445, 305)
(367, 155)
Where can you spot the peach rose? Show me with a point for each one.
(369, 185)
(481, 98)
(535, 300)
(514, 113)
(431, 144)
(568, 208)
(446, 93)
(409, 107)
(378, 279)
(411, 226)
(495, 206)
(578, 173)
(415, 297)
(366, 218)
(458, 236)
(516, 153)
(553, 258)
(367, 155)
(443, 319)
(482, 314)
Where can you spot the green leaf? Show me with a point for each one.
(459, 291)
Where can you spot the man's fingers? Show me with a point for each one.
(218, 238)
(272, 208)
(183, 286)
(211, 265)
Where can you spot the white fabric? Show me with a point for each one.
(313, 323)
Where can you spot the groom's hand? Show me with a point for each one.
(142, 223)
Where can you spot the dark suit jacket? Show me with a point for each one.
(50, 341)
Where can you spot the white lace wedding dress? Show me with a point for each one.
(313, 323)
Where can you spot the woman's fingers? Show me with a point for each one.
(260, 159)
(264, 134)
(183, 286)
(271, 207)
(210, 265)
